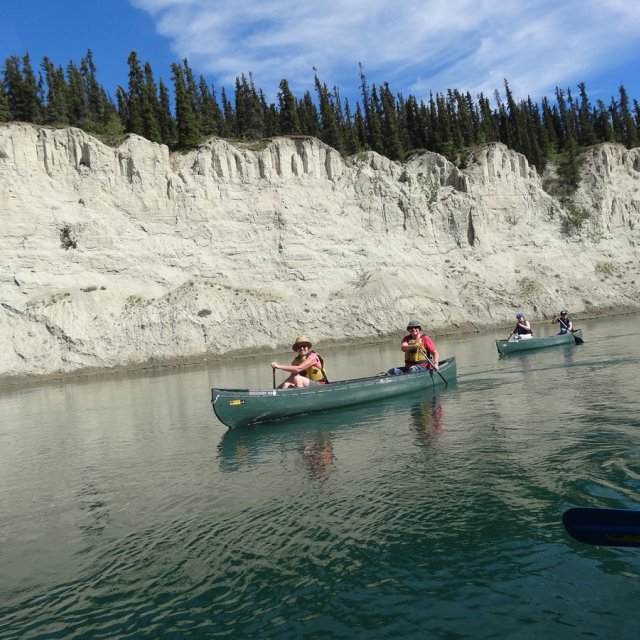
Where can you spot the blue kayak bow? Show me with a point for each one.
(603, 527)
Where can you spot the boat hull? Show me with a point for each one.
(243, 407)
(507, 346)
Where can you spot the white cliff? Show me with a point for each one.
(123, 256)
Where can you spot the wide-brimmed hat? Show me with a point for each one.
(519, 315)
(300, 340)
(564, 312)
(414, 323)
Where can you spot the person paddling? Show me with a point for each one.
(566, 324)
(306, 369)
(420, 351)
(522, 330)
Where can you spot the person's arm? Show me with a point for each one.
(408, 347)
(309, 361)
(427, 346)
(431, 347)
(555, 319)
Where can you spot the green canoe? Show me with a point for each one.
(513, 346)
(242, 407)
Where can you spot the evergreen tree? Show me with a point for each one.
(617, 125)
(551, 126)
(330, 130)
(166, 122)
(33, 101)
(55, 111)
(150, 106)
(375, 124)
(99, 107)
(487, 125)
(211, 119)
(21, 86)
(412, 125)
(188, 134)
(569, 166)
(602, 123)
(122, 105)
(270, 117)
(288, 111)
(587, 134)
(360, 127)
(207, 122)
(136, 108)
(308, 116)
(229, 115)
(5, 112)
(193, 93)
(629, 127)
(391, 142)
(348, 133)
(76, 96)
(249, 121)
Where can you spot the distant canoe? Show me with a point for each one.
(513, 346)
(242, 407)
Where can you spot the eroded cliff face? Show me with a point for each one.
(118, 257)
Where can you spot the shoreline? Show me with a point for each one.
(153, 366)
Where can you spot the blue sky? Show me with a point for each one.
(416, 46)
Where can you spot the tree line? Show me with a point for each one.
(393, 125)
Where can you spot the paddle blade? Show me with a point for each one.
(603, 527)
(578, 339)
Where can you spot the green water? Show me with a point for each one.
(128, 511)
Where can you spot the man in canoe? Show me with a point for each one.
(420, 351)
(522, 330)
(306, 369)
(566, 324)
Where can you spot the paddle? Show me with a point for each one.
(575, 337)
(274, 377)
(430, 361)
(603, 527)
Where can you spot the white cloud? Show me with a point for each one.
(417, 46)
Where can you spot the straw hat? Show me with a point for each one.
(301, 340)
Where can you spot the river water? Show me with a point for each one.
(128, 511)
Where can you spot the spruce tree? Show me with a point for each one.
(308, 116)
(360, 127)
(602, 123)
(330, 131)
(587, 135)
(188, 134)
(55, 111)
(77, 99)
(136, 96)
(150, 106)
(166, 122)
(288, 112)
(5, 112)
(375, 125)
(629, 127)
(390, 128)
(229, 115)
(22, 90)
(349, 134)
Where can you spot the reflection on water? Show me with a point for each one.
(427, 419)
(129, 511)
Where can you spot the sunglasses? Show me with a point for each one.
(302, 346)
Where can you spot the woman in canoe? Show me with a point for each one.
(522, 330)
(306, 369)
